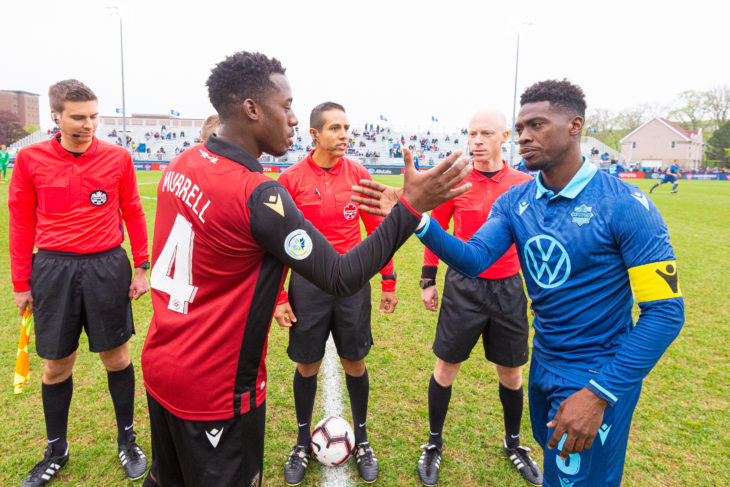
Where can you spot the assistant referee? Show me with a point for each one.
(68, 197)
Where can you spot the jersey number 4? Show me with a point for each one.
(178, 254)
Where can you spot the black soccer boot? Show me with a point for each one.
(44, 470)
(428, 464)
(132, 458)
(525, 464)
(296, 466)
(367, 464)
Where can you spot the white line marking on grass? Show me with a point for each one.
(148, 197)
(332, 403)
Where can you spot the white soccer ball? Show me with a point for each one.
(333, 441)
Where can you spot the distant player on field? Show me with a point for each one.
(615, 169)
(585, 240)
(671, 175)
(320, 185)
(492, 305)
(224, 235)
(4, 158)
(68, 197)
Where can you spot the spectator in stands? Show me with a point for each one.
(210, 126)
(182, 133)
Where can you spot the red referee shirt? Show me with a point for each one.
(324, 198)
(72, 204)
(471, 209)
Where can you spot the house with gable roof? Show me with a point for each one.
(659, 142)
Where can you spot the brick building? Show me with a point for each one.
(22, 104)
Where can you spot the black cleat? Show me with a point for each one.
(525, 464)
(296, 466)
(44, 470)
(132, 458)
(428, 464)
(367, 464)
(674, 191)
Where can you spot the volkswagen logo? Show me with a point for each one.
(547, 261)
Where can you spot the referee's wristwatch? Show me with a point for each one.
(144, 265)
(390, 277)
(426, 283)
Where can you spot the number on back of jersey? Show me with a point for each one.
(177, 257)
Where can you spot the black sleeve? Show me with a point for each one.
(281, 229)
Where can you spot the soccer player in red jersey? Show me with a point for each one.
(320, 185)
(492, 306)
(68, 197)
(224, 235)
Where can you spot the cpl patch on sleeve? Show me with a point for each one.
(98, 197)
(298, 244)
(655, 281)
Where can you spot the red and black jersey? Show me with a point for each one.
(72, 204)
(223, 235)
(323, 195)
(470, 210)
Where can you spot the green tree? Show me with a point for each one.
(692, 108)
(717, 150)
(717, 104)
(10, 128)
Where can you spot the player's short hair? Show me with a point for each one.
(241, 76)
(210, 125)
(69, 90)
(316, 119)
(562, 94)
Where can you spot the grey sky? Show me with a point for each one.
(407, 60)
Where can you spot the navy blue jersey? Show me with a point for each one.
(673, 169)
(581, 251)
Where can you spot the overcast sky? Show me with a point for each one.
(407, 60)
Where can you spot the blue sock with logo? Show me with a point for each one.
(674, 188)
(512, 401)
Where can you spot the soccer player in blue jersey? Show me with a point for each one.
(615, 169)
(671, 175)
(585, 239)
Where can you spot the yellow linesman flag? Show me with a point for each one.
(22, 363)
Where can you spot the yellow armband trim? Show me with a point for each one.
(655, 281)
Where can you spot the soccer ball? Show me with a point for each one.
(333, 441)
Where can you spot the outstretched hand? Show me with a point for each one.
(424, 191)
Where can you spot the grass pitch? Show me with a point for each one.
(679, 434)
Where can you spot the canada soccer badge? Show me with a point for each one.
(350, 211)
(98, 197)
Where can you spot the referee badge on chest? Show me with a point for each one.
(98, 197)
(582, 214)
(350, 211)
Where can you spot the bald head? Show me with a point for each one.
(487, 133)
(490, 117)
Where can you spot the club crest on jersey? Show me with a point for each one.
(350, 211)
(298, 244)
(98, 197)
(582, 215)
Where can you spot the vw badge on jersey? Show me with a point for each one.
(98, 197)
(547, 260)
(350, 211)
(298, 244)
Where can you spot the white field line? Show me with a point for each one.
(332, 403)
(148, 197)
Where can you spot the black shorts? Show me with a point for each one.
(74, 291)
(318, 313)
(496, 309)
(223, 453)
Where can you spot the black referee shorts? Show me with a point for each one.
(72, 292)
(496, 309)
(222, 453)
(318, 313)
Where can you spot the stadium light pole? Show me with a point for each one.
(524, 26)
(114, 10)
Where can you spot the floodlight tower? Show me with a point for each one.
(523, 27)
(115, 11)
